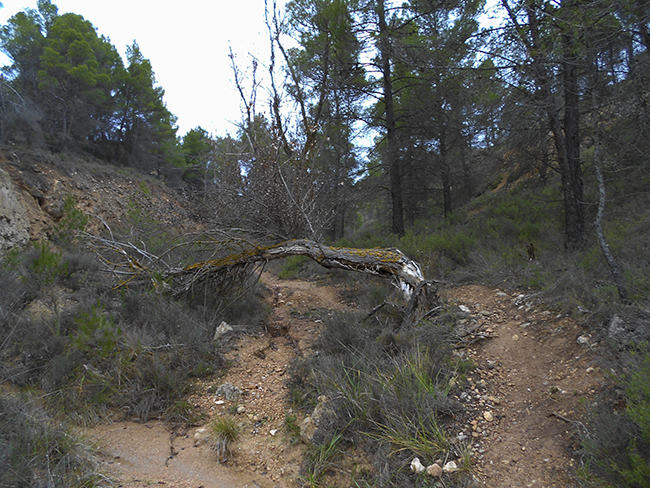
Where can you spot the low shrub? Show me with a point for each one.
(73, 222)
(94, 350)
(389, 387)
(39, 452)
(292, 267)
(616, 438)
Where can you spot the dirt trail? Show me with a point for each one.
(141, 455)
(525, 392)
(531, 376)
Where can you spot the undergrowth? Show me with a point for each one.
(38, 451)
(96, 350)
(616, 438)
(514, 237)
(390, 390)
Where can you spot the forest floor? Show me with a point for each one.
(522, 402)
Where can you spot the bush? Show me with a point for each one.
(617, 439)
(47, 263)
(93, 349)
(39, 452)
(73, 222)
(389, 387)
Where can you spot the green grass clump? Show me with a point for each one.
(390, 389)
(321, 459)
(224, 432)
(292, 428)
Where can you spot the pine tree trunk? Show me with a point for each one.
(394, 169)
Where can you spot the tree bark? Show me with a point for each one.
(387, 263)
(394, 169)
(565, 132)
(571, 171)
(600, 233)
(234, 259)
(604, 247)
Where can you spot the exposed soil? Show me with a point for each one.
(522, 402)
(265, 455)
(526, 396)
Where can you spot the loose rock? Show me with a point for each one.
(229, 392)
(450, 467)
(434, 470)
(221, 330)
(416, 466)
(315, 425)
(201, 436)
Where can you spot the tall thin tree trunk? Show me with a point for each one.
(565, 132)
(444, 175)
(600, 233)
(604, 247)
(571, 172)
(394, 169)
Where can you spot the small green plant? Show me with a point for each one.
(11, 260)
(224, 431)
(320, 460)
(72, 222)
(96, 332)
(462, 365)
(292, 266)
(48, 263)
(144, 189)
(292, 428)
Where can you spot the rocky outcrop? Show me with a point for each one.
(14, 222)
(34, 186)
(316, 427)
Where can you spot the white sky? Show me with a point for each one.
(187, 43)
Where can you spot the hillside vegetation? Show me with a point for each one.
(516, 157)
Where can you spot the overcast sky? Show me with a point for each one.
(187, 43)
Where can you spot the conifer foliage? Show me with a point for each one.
(68, 87)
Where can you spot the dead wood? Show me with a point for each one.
(231, 257)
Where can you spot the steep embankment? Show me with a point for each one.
(35, 184)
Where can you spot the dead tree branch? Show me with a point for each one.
(232, 257)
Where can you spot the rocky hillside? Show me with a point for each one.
(34, 185)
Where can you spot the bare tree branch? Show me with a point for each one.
(231, 258)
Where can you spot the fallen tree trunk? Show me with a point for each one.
(231, 257)
(388, 263)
